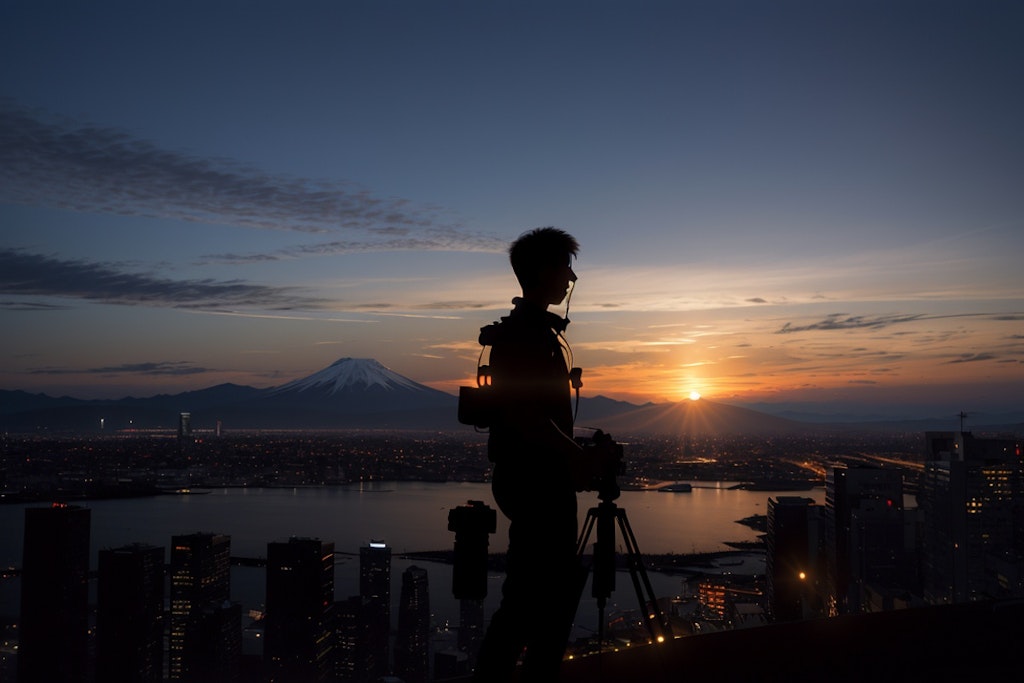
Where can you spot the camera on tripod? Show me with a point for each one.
(472, 524)
(605, 458)
(606, 461)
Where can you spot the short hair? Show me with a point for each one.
(539, 249)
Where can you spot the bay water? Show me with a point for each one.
(407, 516)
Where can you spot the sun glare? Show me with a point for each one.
(694, 395)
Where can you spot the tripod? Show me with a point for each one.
(605, 516)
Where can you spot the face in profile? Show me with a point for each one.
(555, 283)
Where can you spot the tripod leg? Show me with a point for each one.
(588, 526)
(604, 556)
(638, 573)
(602, 560)
(581, 547)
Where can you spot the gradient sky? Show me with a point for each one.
(816, 203)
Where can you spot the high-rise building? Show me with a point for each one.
(793, 562)
(719, 596)
(185, 439)
(54, 629)
(220, 643)
(200, 586)
(412, 643)
(375, 589)
(351, 642)
(185, 425)
(471, 629)
(972, 503)
(299, 626)
(864, 534)
(129, 614)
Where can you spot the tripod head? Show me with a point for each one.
(607, 463)
(606, 460)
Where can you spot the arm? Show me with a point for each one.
(536, 405)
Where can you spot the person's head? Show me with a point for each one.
(542, 262)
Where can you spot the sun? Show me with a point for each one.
(694, 395)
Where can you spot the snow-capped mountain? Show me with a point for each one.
(351, 392)
(352, 374)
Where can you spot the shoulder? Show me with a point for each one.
(514, 331)
(494, 333)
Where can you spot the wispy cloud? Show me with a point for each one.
(972, 358)
(174, 368)
(842, 321)
(284, 316)
(428, 240)
(419, 315)
(94, 169)
(27, 274)
(29, 305)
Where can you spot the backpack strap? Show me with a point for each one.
(489, 334)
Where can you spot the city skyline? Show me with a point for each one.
(862, 517)
(801, 203)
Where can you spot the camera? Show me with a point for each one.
(478, 405)
(472, 524)
(605, 457)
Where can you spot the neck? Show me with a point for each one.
(533, 301)
(527, 307)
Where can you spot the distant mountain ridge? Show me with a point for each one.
(349, 393)
(363, 393)
(701, 417)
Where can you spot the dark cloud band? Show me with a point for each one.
(175, 368)
(28, 274)
(105, 170)
(431, 240)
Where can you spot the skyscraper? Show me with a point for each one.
(299, 624)
(412, 644)
(200, 579)
(220, 643)
(185, 425)
(863, 526)
(793, 564)
(54, 630)
(375, 589)
(129, 614)
(185, 438)
(972, 502)
(471, 629)
(351, 642)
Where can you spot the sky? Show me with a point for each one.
(815, 204)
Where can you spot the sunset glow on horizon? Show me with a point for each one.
(768, 212)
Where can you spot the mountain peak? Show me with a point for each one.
(351, 373)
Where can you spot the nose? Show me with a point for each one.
(572, 275)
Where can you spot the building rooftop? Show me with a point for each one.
(975, 641)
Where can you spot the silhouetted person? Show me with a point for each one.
(538, 467)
